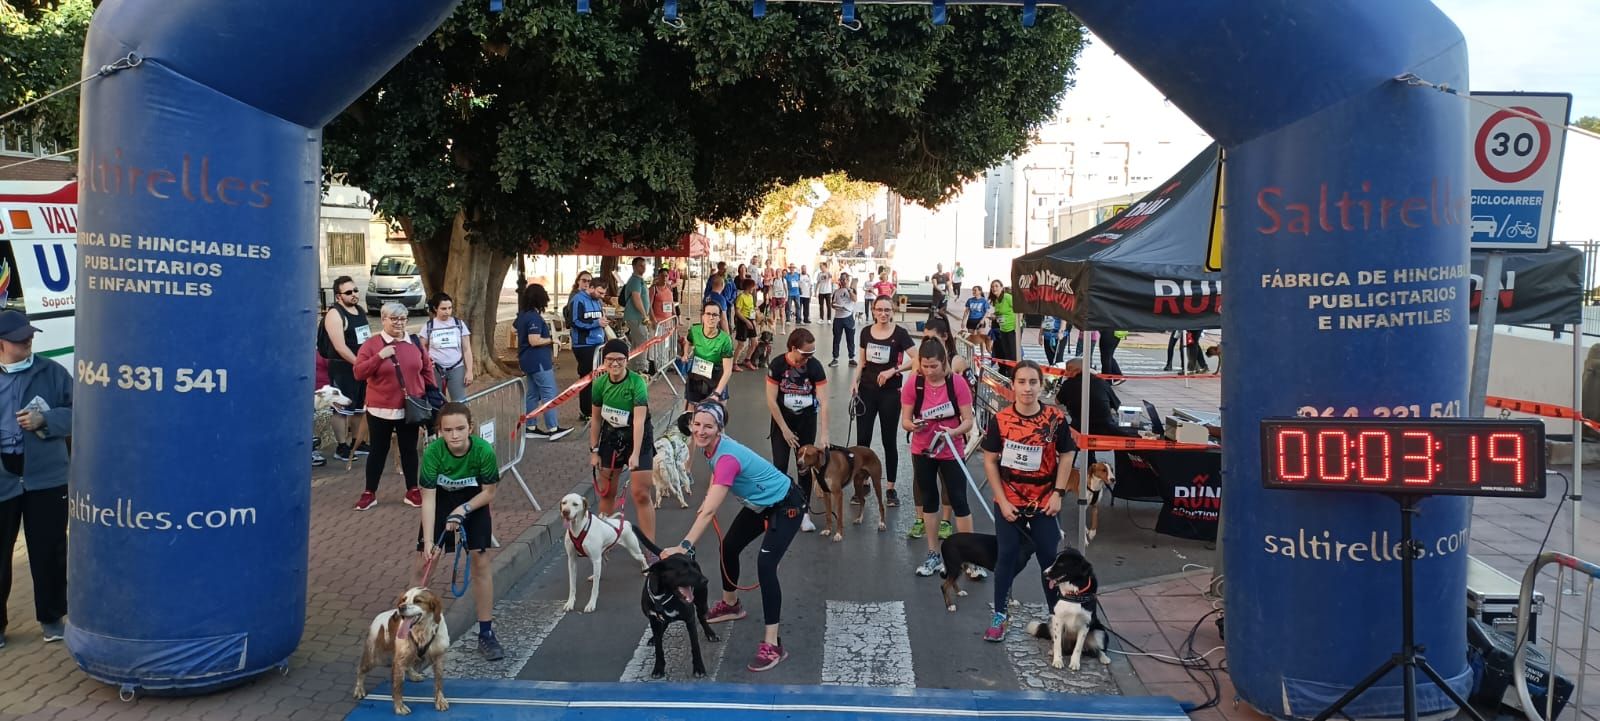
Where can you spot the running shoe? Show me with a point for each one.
(535, 432)
(558, 433)
(891, 499)
(489, 647)
(414, 498)
(977, 573)
(317, 460)
(53, 631)
(931, 565)
(368, 500)
(342, 452)
(834, 363)
(806, 526)
(723, 612)
(767, 656)
(945, 529)
(853, 363)
(918, 529)
(997, 629)
(364, 449)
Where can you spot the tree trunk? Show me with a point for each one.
(472, 274)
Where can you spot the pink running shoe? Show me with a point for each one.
(767, 656)
(723, 612)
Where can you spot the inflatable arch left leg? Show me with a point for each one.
(199, 184)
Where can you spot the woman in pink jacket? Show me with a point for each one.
(376, 363)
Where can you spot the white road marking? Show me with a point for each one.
(1030, 657)
(680, 663)
(867, 644)
(521, 626)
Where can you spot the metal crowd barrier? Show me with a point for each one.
(1564, 564)
(663, 355)
(498, 410)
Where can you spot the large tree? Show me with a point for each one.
(538, 122)
(41, 50)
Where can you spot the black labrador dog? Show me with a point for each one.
(674, 590)
(976, 549)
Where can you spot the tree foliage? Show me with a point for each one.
(41, 49)
(541, 122)
(538, 123)
(1589, 123)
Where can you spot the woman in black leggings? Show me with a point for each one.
(773, 507)
(798, 408)
(884, 347)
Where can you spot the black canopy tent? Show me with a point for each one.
(1142, 269)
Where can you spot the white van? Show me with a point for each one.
(39, 249)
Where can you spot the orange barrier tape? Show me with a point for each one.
(582, 383)
(1125, 443)
(1052, 371)
(1535, 408)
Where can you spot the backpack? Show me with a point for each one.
(324, 343)
(566, 311)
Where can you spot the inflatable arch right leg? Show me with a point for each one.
(199, 178)
(1333, 169)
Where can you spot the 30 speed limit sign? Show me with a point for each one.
(1516, 168)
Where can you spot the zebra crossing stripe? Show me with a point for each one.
(680, 662)
(867, 644)
(1030, 659)
(521, 626)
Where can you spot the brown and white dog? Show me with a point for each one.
(1100, 478)
(406, 637)
(834, 469)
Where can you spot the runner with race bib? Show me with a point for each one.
(709, 357)
(1025, 456)
(797, 405)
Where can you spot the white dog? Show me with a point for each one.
(591, 536)
(672, 456)
(327, 397)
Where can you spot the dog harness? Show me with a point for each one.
(658, 602)
(583, 533)
(816, 473)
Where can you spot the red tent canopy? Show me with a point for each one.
(596, 242)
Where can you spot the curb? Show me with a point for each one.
(515, 560)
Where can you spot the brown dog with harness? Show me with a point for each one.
(835, 468)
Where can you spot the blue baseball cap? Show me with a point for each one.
(14, 326)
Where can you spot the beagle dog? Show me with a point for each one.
(405, 637)
(590, 536)
(1100, 478)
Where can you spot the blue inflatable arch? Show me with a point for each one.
(190, 517)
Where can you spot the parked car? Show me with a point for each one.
(395, 279)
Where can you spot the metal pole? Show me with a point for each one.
(1577, 443)
(1488, 307)
(1083, 456)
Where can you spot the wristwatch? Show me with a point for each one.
(687, 546)
(595, 449)
(1061, 492)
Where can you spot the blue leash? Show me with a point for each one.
(461, 548)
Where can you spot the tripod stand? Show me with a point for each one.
(1410, 657)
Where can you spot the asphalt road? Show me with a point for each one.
(854, 613)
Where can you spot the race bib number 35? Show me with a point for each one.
(1020, 457)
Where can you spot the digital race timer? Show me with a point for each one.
(1422, 456)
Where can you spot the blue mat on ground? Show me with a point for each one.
(540, 700)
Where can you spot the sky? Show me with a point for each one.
(1512, 45)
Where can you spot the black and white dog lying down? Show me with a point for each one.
(975, 549)
(674, 590)
(1077, 614)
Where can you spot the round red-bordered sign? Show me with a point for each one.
(1515, 176)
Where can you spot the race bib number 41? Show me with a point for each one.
(878, 353)
(702, 368)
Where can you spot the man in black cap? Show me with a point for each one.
(35, 422)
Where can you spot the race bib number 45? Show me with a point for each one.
(615, 416)
(1020, 457)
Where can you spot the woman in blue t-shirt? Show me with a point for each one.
(773, 506)
(536, 356)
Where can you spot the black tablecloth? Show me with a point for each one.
(1188, 484)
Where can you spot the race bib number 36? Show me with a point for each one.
(1020, 457)
(796, 402)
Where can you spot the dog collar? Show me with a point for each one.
(1084, 595)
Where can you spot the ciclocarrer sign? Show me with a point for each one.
(1516, 168)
